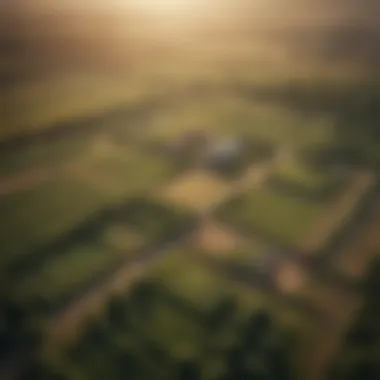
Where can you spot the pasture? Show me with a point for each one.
(272, 214)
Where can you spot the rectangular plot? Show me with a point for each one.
(281, 217)
(196, 190)
(301, 175)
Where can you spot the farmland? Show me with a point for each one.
(99, 198)
(283, 217)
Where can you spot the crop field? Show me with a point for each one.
(117, 197)
(281, 217)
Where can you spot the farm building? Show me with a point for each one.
(224, 155)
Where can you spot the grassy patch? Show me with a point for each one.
(296, 177)
(278, 216)
(120, 171)
(35, 217)
(301, 174)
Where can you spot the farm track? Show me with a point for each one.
(338, 212)
(363, 246)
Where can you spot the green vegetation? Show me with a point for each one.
(60, 277)
(34, 217)
(283, 217)
(63, 233)
(82, 259)
(177, 332)
(119, 170)
(359, 355)
(301, 174)
(297, 178)
(41, 155)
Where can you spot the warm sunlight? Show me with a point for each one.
(167, 6)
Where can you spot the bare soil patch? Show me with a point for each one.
(195, 190)
(216, 239)
(290, 277)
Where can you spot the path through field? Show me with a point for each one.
(360, 250)
(337, 212)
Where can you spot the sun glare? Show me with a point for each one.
(166, 6)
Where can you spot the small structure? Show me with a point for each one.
(224, 155)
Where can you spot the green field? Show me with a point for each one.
(59, 277)
(34, 217)
(122, 170)
(269, 212)
(305, 179)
